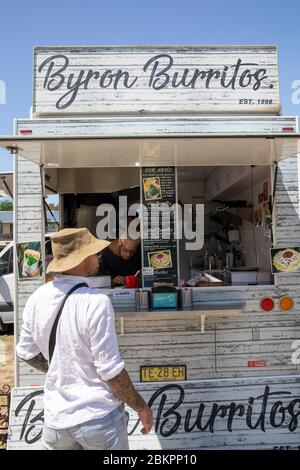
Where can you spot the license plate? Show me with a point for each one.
(163, 373)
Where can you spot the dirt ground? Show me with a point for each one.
(6, 360)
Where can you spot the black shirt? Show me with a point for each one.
(115, 265)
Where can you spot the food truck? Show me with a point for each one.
(210, 337)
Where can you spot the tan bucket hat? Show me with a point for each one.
(71, 246)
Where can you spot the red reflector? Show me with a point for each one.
(288, 129)
(259, 363)
(26, 131)
(267, 304)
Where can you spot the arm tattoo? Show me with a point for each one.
(123, 388)
(39, 363)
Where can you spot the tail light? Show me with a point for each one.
(267, 304)
(286, 303)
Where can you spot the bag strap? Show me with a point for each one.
(52, 339)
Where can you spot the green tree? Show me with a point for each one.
(6, 205)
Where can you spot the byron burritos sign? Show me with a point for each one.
(245, 413)
(199, 79)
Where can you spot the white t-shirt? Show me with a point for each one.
(86, 353)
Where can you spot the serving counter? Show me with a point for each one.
(207, 309)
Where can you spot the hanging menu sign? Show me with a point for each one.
(160, 257)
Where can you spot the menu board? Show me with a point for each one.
(159, 198)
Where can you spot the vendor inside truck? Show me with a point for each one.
(120, 259)
(123, 258)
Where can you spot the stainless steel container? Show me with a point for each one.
(142, 299)
(186, 297)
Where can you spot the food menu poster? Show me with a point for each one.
(158, 195)
(285, 260)
(29, 260)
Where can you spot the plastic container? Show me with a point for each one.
(131, 282)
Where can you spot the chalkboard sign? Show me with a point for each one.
(159, 198)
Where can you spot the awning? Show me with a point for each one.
(6, 184)
(204, 150)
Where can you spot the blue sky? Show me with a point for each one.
(24, 25)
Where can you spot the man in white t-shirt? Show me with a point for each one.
(86, 383)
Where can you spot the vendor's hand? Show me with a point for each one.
(119, 281)
(35, 273)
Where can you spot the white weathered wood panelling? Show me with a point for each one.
(28, 227)
(28, 201)
(245, 413)
(82, 80)
(123, 126)
(287, 215)
(225, 347)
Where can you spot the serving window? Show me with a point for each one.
(235, 210)
(237, 238)
(230, 175)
